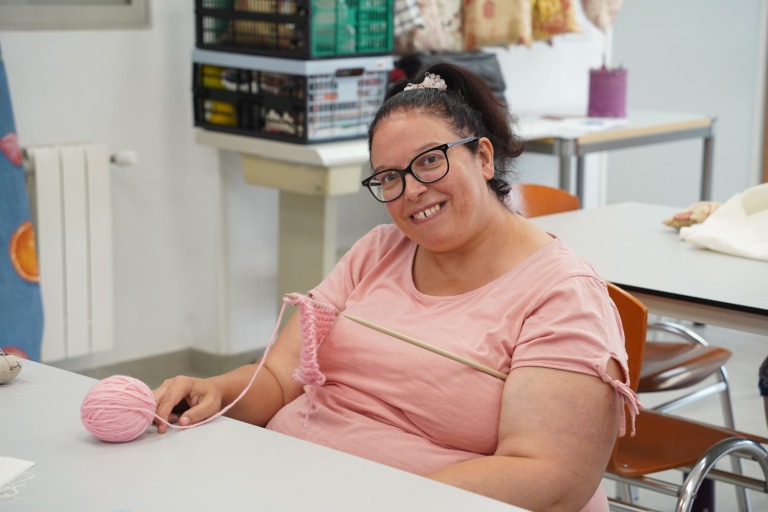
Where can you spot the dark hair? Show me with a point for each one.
(468, 105)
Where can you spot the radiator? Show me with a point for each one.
(70, 199)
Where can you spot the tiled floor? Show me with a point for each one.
(749, 351)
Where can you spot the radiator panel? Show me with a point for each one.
(101, 253)
(73, 213)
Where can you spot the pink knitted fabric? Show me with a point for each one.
(316, 320)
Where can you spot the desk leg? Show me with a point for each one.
(307, 241)
(566, 149)
(706, 167)
(565, 172)
(580, 179)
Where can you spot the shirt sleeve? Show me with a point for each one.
(576, 327)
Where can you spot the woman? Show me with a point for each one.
(460, 270)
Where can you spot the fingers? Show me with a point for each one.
(186, 401)
(203, 405)
(168, 396)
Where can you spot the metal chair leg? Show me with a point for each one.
(707, 462)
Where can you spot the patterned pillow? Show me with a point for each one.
(553, 17)
(601, 12)
(497, 23)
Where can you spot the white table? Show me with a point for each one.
(223, 465)
(629, 246)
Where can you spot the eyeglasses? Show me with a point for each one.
(427, 167)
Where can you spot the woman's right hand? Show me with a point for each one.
(186, 401)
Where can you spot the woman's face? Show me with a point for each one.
(446, 214)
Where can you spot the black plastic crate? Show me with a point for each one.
(295, 29)
(289, 100)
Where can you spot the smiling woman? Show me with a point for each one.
(461, 272)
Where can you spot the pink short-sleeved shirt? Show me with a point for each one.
(406, 407)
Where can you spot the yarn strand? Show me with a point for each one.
(120, 408)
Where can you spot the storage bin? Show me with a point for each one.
(289, 100)
(295, 29)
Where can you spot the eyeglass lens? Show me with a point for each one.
(428, 167)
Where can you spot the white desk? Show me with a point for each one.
(628, 245)
(224, 465)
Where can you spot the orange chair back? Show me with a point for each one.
(535, 200)
(634, 320)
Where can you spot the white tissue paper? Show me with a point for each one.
(739, 227)
(11, 468)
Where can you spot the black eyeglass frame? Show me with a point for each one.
(409, 170)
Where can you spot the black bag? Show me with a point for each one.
(484, 64)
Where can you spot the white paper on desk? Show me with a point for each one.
(539, 127)
(738, 227)
(11, 468)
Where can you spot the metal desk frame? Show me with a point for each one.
(566, 147)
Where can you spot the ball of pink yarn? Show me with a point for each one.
(118, 409)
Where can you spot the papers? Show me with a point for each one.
(10, 471)
(539, 127)
(738, 227)
(11, 468)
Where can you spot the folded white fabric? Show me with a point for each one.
(738, 227)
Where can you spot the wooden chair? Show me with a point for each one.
(665, 442)
(668, 365)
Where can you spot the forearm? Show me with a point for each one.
(260, 403)
(525, 482)
(274, 385)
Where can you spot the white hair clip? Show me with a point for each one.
(431, 81)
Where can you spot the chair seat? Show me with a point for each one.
(670, 365)
(667, 442)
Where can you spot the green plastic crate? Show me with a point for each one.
(295, 29)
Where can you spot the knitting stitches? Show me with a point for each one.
(316, 321)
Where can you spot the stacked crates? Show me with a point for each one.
(289, 100)
(295, 29)
(299, 71)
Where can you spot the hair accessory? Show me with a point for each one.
(431, 81)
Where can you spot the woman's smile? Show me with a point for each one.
(428, 212)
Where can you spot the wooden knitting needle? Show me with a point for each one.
(426, 346)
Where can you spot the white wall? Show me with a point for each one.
(184, 237)
(554, 79)
(697, 56)
(131, 90)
